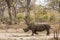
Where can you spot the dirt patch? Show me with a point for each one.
(54, 39)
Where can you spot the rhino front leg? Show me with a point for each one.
(36, 32)
(33, 32)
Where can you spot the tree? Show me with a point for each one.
(2, 9)
(55, 4)
(27, 5)
(9, 5)
(12, 6)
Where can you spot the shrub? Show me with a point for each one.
(19, 16)
(32, 17)
(45, 16)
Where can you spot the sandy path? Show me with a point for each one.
(24, 36)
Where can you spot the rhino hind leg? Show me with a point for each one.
(48, 32)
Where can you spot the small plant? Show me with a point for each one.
(32, 17)
(45, 16)
(19, 16)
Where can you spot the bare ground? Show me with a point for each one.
(18, 34)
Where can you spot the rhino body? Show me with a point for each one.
(40, 27)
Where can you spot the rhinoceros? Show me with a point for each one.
(40, 27)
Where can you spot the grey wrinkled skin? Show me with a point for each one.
(34, 28)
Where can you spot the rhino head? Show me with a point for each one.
(26, 29)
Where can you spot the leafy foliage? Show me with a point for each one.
(19, 16)
(40, 14)
(45, 16)
(32, 17)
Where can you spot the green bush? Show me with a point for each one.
(19, 16)
(45, 16)
(32, 17)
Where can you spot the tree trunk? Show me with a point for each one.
(9, 6)
(14, 10)
(56, 35)
(10, 16)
